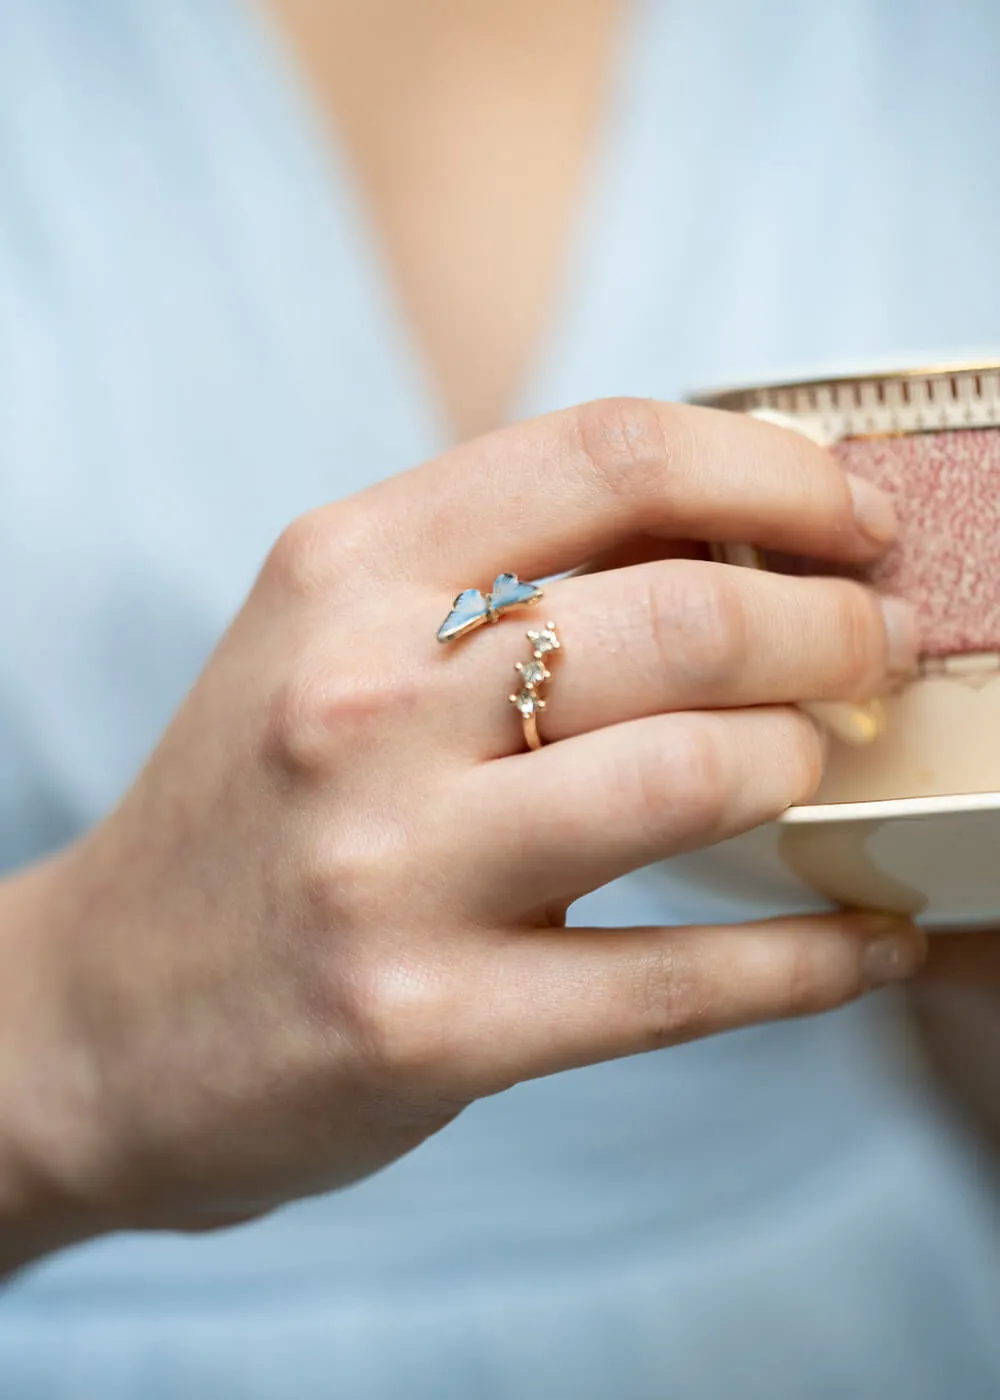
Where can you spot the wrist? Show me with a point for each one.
(48, 1092)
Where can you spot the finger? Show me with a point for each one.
(556, 1000)
(686, 635)
(551, 494)
(646, 549)
(577, 814)
(965, 959)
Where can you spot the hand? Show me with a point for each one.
(330, 912)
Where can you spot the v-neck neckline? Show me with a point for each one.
(392, 345)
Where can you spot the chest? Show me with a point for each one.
(470, 131)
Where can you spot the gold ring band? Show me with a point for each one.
(534, 674)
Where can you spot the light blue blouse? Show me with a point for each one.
(196, 344)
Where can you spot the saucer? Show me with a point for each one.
(934, 858)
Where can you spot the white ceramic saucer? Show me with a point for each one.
(936, 858)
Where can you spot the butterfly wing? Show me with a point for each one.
(467, 612)
(509, 592)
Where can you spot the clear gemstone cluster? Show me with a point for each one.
(534, 673)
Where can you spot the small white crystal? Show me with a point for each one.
(526, 702)
(544, 640)
(533, 673)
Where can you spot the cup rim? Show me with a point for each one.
(741, 397)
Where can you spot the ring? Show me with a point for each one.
(534, 674)
(471, 609)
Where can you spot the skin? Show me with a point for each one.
(330, 912)
(470, 128)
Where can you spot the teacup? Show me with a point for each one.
(899, 817)
(931, 440)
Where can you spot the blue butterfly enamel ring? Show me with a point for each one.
(471, 609)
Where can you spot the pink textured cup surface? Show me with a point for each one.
(945, 487)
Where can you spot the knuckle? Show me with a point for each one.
(670, 1000)
(699, 624)
(804, 986)
(296, 740)
(353, 873)
(625, 447)
(700, 777)
(299, 562)
(677, 790)
(313, 717)
(398, 1015)
(381, 995)
(320, 550)
(357, 708)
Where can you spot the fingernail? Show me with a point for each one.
(873, 511)
(895, 951)
(900, 620)
(853, 722)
